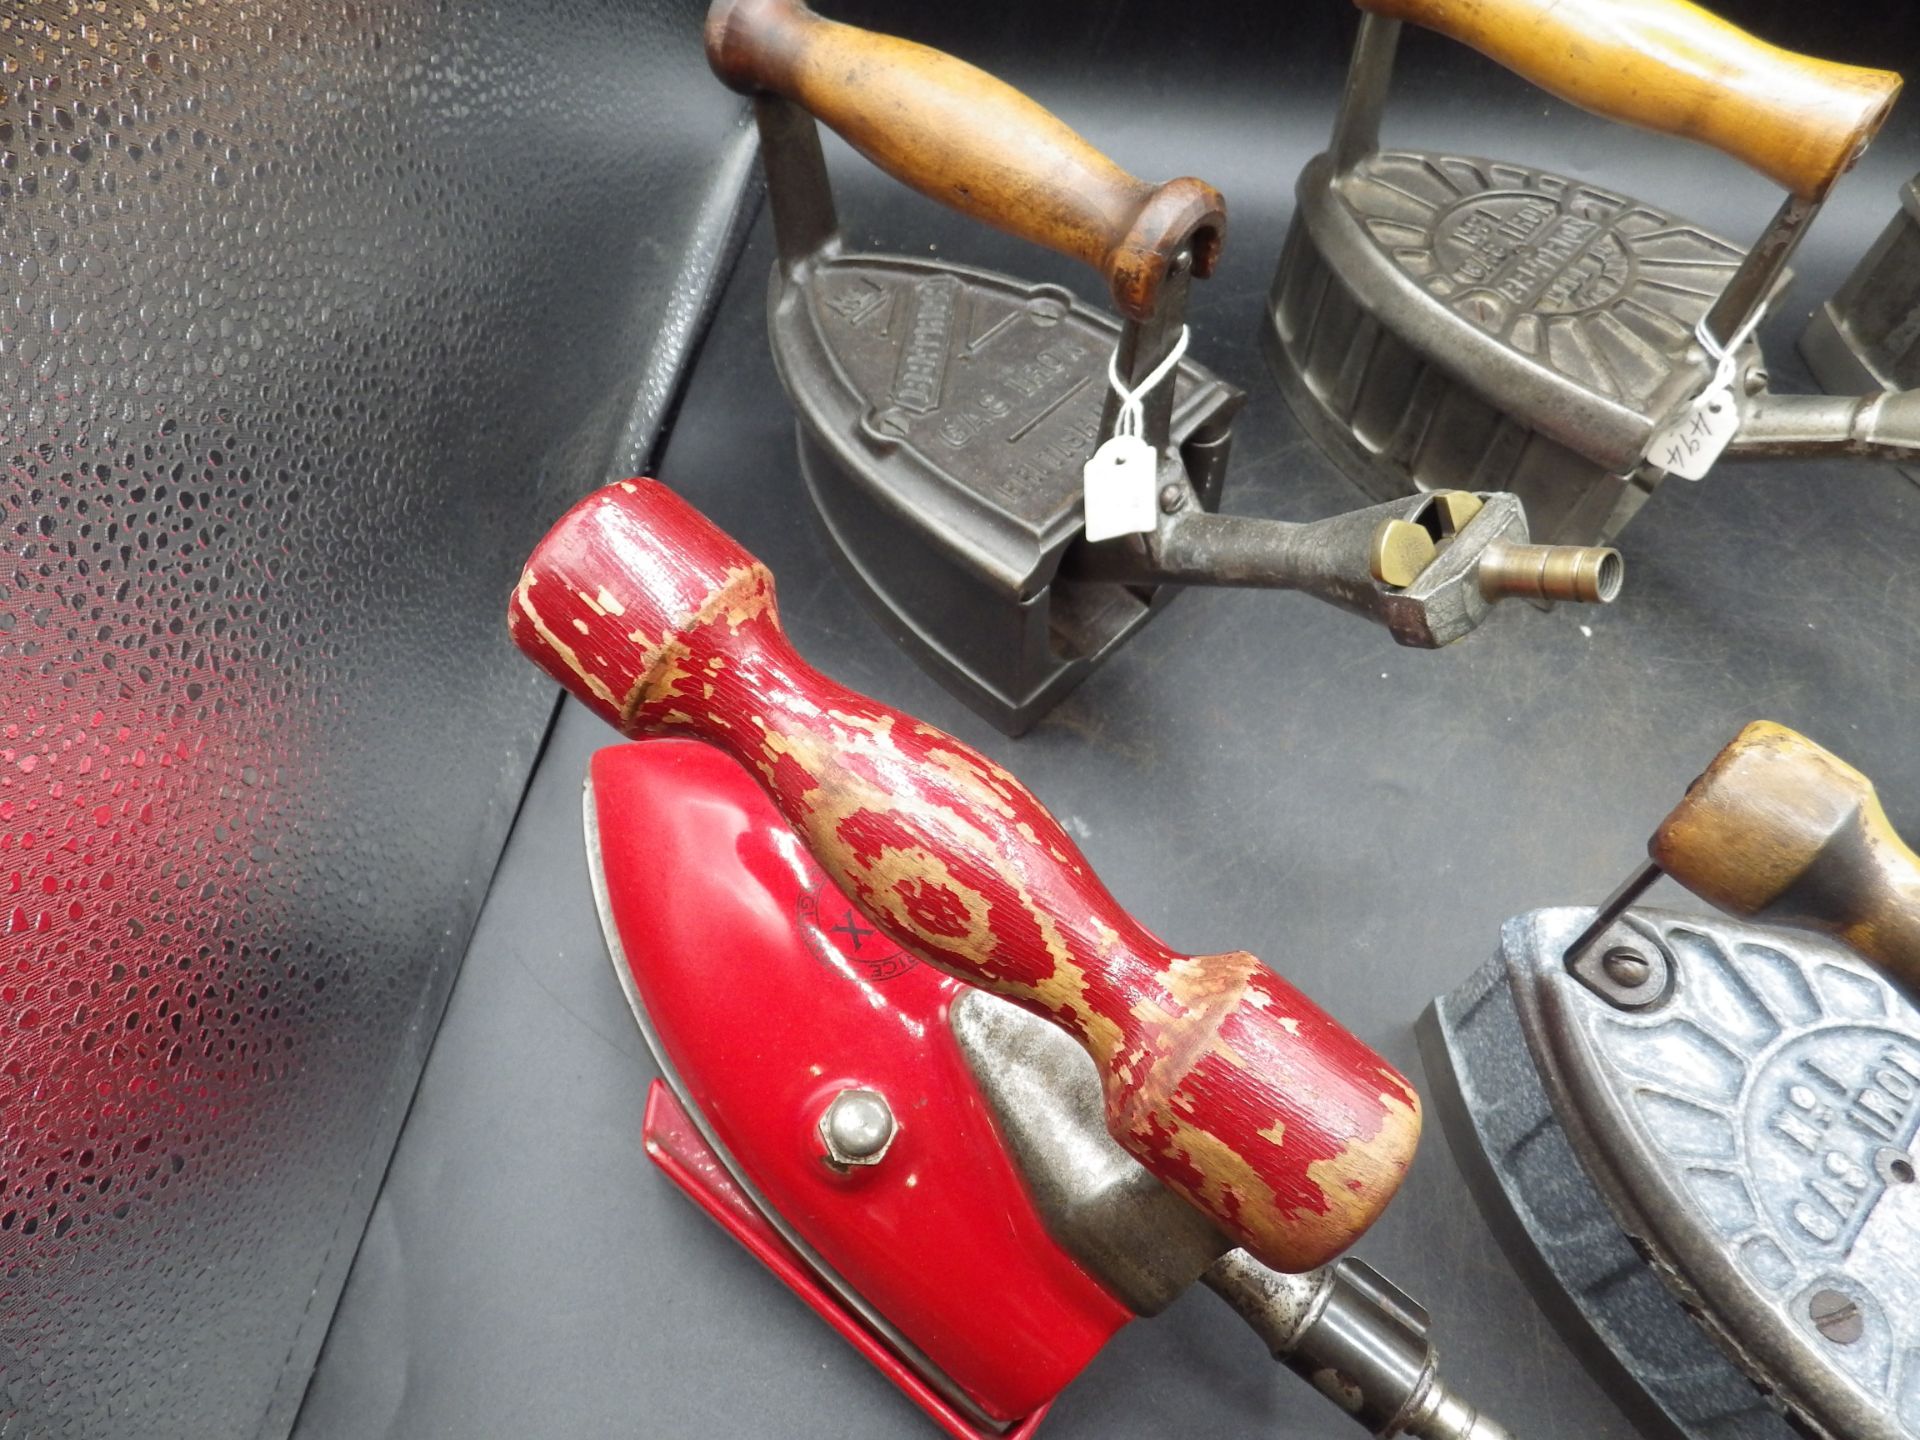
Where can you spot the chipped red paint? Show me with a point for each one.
(1220, 1077)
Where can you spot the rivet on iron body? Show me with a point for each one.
(945, 413)
(1442, 321)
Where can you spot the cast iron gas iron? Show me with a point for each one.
(945, 413)
(1867, 336)
(1126, 1077)
(926, 1165)
(1445, 322)
(1668, 1116)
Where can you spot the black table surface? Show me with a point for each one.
(1251, 771)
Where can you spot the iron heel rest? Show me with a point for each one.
(1671, 1116)
(945, 413)
(1449, 322)
(978, 1276)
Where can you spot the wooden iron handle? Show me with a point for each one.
(1670, 66)
(1220, 1077)
(1780, 830)
(963, 138)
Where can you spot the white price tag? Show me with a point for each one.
(1121, 487)
(1688, 444)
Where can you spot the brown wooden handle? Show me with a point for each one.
(1219, 1076)
(1781, 830)
(1670, 66)
(963, 138)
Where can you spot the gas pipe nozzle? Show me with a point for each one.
(1358, 1339)
(1585, 574)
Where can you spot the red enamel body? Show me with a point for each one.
(1219, 1077)
(766, 994)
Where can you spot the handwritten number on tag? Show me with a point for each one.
(1690, 443)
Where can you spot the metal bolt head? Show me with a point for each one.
(857, 1128)
(1171, 498)
(1399, 552)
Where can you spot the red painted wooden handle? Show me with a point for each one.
(1220, 1077)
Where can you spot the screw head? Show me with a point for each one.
(1836, 1316)
(1171, 497)
(1626, 968)
(857, 1128)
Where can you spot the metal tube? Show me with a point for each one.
(1353, 1336)
(1588, 574)
(1443, 1415)
(1883, 426)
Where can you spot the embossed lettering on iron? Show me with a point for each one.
(997, 385)
(1593, 284)
(1775, 1098)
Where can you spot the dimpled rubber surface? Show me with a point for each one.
(311, 318)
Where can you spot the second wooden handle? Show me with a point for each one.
(1779, 829)
(1670, 66)
(968, 140)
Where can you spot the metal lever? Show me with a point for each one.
(1428, 567)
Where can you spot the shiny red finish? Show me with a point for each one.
(683, 1155)
(766, 994)
(1220, 1077)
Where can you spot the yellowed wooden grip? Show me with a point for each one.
(1779, 829)
(1670, 66)
(958, 135)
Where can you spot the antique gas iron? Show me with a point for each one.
(1867, 336)
(848, 1144)
(978, 1254)
(1674, 1118)
(1448, 322)
(947, 415)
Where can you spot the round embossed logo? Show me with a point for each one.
(840, 936)
(1535, 256)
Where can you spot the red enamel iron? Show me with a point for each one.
(920, 1062)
